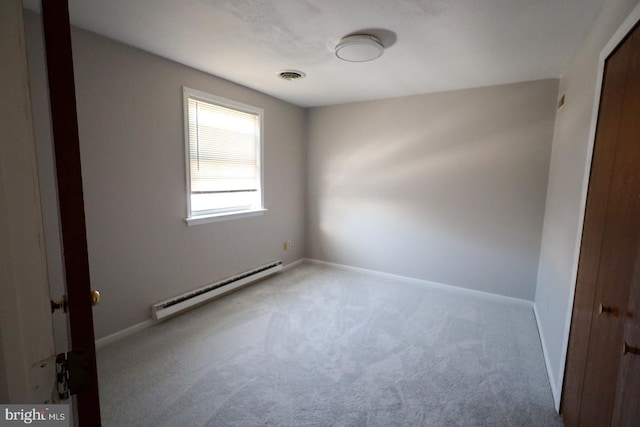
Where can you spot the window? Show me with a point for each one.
(223, 153)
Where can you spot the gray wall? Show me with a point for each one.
(560, 240)
(132, 145)
(447, 187)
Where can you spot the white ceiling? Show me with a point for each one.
(431, 45)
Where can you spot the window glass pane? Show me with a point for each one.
(224, 152)
(223, 201)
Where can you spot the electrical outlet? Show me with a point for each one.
(287, 245)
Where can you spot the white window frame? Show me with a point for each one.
(192, 219)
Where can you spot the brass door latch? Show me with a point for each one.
(61, 304)
(607, 309)
(626, 348)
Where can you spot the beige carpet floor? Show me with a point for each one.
(318, 346)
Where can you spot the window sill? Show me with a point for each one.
(204, 219)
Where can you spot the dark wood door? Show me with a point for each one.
(64, 123)
(627, 403)
(595, 381)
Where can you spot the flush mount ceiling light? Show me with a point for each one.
(359, 48)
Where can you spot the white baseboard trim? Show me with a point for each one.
(292, 264)
(435, 285)
(124, 333)
(545, 355)
(147, 323)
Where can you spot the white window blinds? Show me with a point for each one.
(224, 157)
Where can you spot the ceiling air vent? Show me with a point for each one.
(291, 75)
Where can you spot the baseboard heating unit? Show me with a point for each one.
(198, 296)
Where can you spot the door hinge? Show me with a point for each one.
(73, 373)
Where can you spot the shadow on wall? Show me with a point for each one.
(446, 187)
